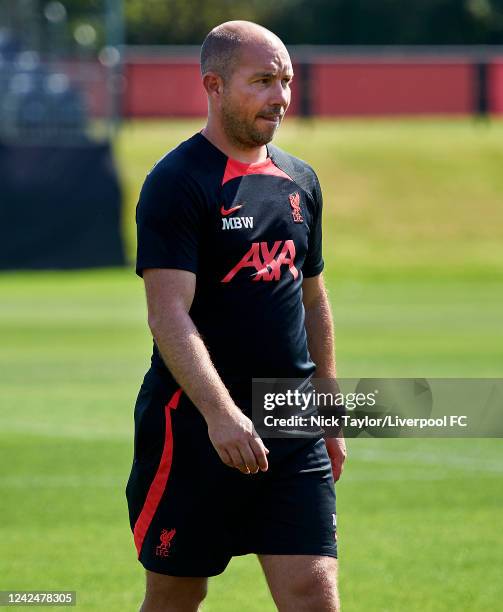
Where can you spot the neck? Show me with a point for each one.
(214, 132)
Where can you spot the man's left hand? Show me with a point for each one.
(337, 452)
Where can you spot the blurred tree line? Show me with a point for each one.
(356, 22)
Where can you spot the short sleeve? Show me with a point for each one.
(313, 264)
(168, 220)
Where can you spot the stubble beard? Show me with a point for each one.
(243, 133)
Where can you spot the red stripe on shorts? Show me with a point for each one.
(158, 485)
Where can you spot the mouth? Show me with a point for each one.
(276, 119)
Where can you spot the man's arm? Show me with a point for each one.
(320, 339)
(169, 297)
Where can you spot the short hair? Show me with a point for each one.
(220, 51)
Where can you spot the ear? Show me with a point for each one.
(213, 84)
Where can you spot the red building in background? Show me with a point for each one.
(332, 81)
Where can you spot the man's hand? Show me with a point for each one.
(337, 452)
(237, 443)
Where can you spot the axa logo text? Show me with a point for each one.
(266, 261)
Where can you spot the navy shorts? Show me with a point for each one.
(190, 513)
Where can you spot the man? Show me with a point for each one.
(229, 247)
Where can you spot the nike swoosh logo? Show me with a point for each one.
(230, 210)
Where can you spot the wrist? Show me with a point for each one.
(219, 412)
(326, 373)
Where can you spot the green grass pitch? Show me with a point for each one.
(414, 251)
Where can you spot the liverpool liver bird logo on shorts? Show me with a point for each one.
(166, 536)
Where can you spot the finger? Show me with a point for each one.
(260, 441)
(336, 470)
(260, 452)
(225, 457)
(249, 458)
(237, 460)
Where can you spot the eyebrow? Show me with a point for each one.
(270, 74)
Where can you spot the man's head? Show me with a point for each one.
(246, 72)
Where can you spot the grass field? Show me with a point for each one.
(414, 253)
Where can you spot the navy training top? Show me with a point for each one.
(250, 233)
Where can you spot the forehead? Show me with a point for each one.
(270, 56)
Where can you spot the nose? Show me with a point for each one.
(280, 94)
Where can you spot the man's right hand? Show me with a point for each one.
(237, 443)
